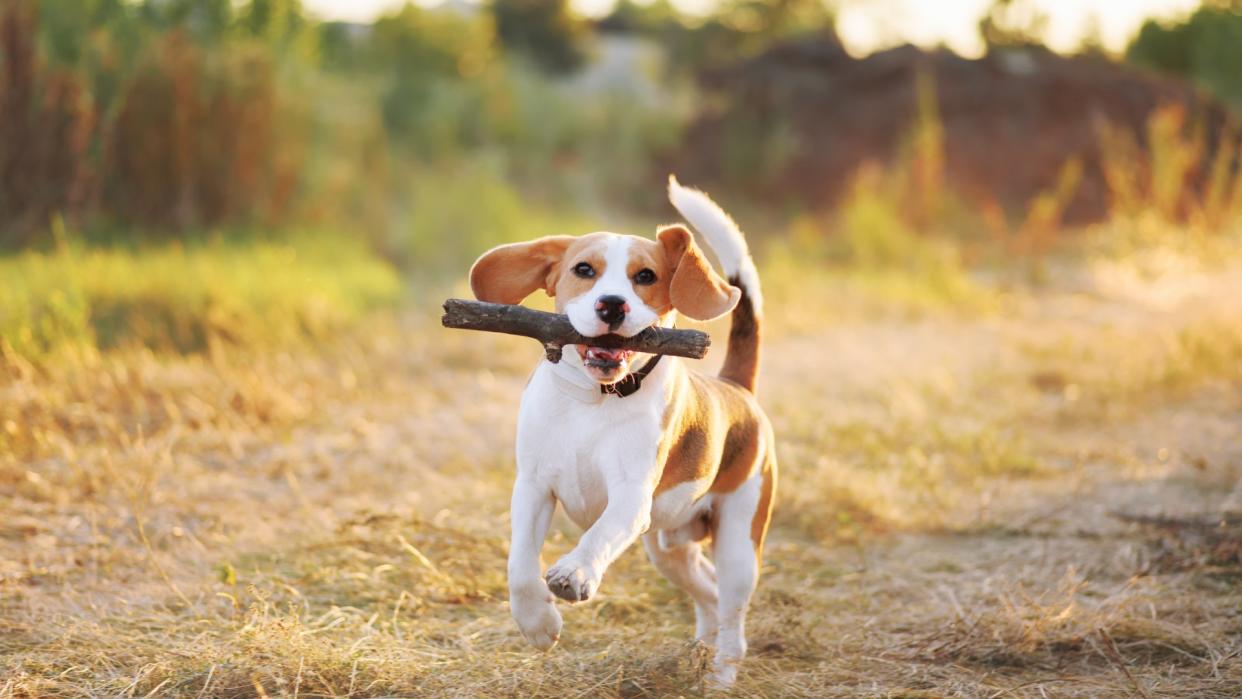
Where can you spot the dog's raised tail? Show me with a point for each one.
(741, 364)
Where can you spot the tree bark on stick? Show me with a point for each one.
(554, 330)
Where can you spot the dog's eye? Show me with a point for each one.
(584, 270)
(645, 277)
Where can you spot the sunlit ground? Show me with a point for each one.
(996, 494)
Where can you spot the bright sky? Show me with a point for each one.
(867, 25)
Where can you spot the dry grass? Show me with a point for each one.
(332, 521)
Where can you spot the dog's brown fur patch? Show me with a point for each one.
(763, 512)
(648, 254)
(510, 273)
(695, 289)
(711, 430)
(567, 285)
(741, 364)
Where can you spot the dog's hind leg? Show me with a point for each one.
(686, 567)
(738, 544)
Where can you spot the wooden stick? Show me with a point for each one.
(555, 331)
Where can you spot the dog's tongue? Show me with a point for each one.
(611, 355)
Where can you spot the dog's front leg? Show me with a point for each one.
(576, 577)
(529, 599)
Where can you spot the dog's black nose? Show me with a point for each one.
(611, 309)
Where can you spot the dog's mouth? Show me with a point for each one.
(603, 362)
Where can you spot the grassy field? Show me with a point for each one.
(1015, 492)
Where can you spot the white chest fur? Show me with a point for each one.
(575, 441)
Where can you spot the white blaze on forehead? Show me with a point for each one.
(616, 262)
(614, 281)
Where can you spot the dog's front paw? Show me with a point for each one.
(723, 676)
(724, 665)
(571, 582)
(536, 615)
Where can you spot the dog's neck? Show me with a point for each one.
(570, 379)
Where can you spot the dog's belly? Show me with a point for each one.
(680, 504)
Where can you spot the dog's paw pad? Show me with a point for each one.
(570, 584)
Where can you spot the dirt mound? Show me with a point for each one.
(800, 118)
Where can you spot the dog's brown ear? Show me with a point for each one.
(695, 290)
(510, 273)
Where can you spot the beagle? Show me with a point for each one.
(635, 445)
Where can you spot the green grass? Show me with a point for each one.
(183, 298)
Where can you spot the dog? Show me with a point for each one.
(635, 445)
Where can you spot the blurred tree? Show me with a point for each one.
(546, 31)
(98, 39)
(1013, 23)
(279, 24)
(46, 120)
(736, 29)
(65, 26)
(431, 42)
(630, 17)
(433, 59)
(272, 19)
(205, 20)
(763, 21)
(340, 45)
(745, 27)
(199, 139)
(1206, 48)
(1093, 38)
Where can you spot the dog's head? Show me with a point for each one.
(608, 283)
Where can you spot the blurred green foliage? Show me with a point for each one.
(545, 31)
(734, 30)
(168, 118)
(184, 298)
(159, 115)
(1205, 47)
(437, 64)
